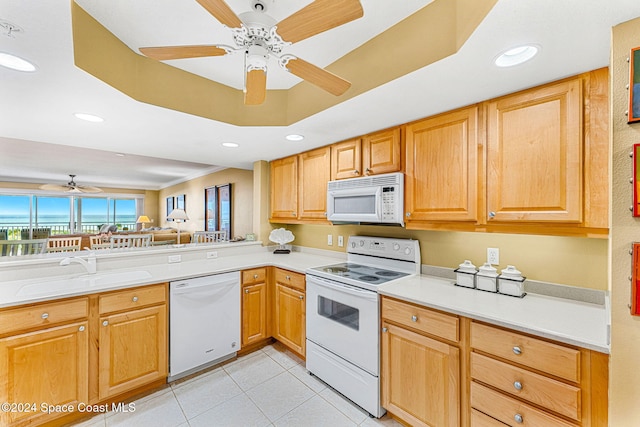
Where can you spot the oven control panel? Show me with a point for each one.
(397, 249)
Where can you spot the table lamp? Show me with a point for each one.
(179, 216)
(143, 219)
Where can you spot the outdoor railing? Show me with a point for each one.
(15, 231)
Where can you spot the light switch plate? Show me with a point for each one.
(330, 239)
(340, 241)
(493, 256)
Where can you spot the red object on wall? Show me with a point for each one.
(635, 281)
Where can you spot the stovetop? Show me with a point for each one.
(368, 274)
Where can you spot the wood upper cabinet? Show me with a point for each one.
(254, 306)
(133, 339)
(313, 175)
(373, 154)
(441, 182)
(346, 159)
(290, 310)
(535, 155)
(284, 189)
(44, 358)
(420, 375)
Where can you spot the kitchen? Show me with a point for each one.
(590, 256)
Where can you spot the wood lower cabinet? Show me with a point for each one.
(519, 379)
(133, 339)
(254, 306)
(44, 358)
(420, 374)
(290, 310)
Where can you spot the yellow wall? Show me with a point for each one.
(573, 261)
(242, 200)
(625, 329)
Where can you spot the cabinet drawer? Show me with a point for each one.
(132, 298)
(546, 392)
(289, 278)
(544, 356)
(511, 411)
(478, 419)
(423, 319)
(42, 315)
(255, 275)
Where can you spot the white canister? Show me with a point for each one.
(466, 274)
(487, 278)
(511, 282)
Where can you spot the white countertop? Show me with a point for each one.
(572, 322)
(564, 320)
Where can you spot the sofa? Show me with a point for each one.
(167, 234)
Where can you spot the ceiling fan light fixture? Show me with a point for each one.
(516, 55)
(16, 63)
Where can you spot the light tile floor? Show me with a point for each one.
(269, 387)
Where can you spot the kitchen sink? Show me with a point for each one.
(84, 281)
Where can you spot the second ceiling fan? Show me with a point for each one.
(260, 37)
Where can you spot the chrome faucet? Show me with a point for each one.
(89, 264)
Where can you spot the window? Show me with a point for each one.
(217, 205)
(24, 216)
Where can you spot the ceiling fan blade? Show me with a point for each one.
(222, 12)
(54, 187)
(317, 17)
(181, 52)
(255, 87)
(88, 189)
(315, 75)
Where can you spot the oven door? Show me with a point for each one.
(344, 320)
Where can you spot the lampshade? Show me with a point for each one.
(143, 219)
(178, 215)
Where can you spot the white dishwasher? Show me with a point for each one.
(204, 322)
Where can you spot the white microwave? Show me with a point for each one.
(377, 199)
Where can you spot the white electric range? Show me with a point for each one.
(343, 317)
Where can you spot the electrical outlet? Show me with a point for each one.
(330, 239)
(340, 241)
(493, 256)
(175, 258)
(212, 254)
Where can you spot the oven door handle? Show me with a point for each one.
(346, 289)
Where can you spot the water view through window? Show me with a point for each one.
(35, 216)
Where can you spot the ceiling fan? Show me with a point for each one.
(71, 187)
(260, 37)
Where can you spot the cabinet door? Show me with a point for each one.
(290, 318)
(284, 188)
(313, 175)
(441, 165)
(48, 366)
(346, 159)
(420, 378)
(254, 313)
(133, 350)
(381, 152)
(534, 155)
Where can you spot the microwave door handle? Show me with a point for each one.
(371, 295)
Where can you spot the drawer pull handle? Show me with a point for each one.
(134, 299)
(301, 296)
(385, 329)
(105, 323)
(246, 291)
(255, 276)
(414, 318)
(517, 350)
(517, 385)
(518, 418)
(81, 328)
(45, 315)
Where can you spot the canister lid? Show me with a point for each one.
(511, 272)
(487, 269)
(466, 267)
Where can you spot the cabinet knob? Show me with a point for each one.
(414, 318)
(105, 323)
(81, 328)
(255, 276)
(301, 296)
(518, 418)
(134, 299)
(368, 171)
(45, 315)
(356, 171)
(408, 214)
(517, 350)
(517, 385)
(385, 329)
(293, 214)
(288, 277)
(492, 215)
(246, 291)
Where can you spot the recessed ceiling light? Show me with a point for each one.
(16, 63)
(294, 137)
(120, 154)
(89, 117)
(230, 144)
(516, 55)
